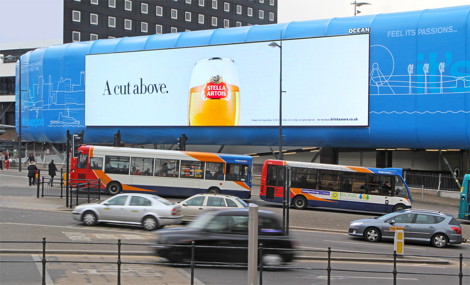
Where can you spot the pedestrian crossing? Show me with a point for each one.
(81, 236)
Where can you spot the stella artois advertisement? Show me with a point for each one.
(324, 82)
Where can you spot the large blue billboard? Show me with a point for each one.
(407, 87)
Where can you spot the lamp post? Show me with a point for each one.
(274, 44)
(358, 4)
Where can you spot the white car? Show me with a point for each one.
(150, 211)
(199, 203)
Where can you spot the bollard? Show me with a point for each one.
(399, 241)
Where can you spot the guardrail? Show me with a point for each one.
(329, 256)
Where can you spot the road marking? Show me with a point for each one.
(38, 263)
(126, 270)
(77, 236)
(364, 277)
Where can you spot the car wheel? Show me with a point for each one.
(149, 223)
(372, 234)
(213, 190)
(299, 202)
(439, 240)
(398, 207)
(272, 260)
(114, 188)
(89, 218)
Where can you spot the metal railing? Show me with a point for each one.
(329, 256)
(431, 180)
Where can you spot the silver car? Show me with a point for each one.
(436, 228)
(200, 203)
(149, 211)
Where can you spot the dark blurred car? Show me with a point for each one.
(436, 228)
(228, 230)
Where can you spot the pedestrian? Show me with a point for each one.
(32, 171)
(7, 160)
(52, 171)
(30, 158)
(1, 160)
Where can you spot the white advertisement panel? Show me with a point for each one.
(324, 83)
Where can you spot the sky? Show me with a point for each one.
(302, 10)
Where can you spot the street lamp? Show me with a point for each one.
(274, 44)
(358, 4)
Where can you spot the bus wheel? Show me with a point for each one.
(114, 188)
(213, 190)
(299, 202)
(399, 207)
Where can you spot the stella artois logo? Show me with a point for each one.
(216, 88)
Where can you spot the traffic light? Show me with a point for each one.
(182, 142)
(77, 141)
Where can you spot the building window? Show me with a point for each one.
(250, 12)
(128, 5)
(238, 24)
(76, 16)
(271, 16)
(94, 19)
(112, 22)
(144, 8)
(94, 2)
(226, 23)
(226, 7)
(75, 36)
(174, 30)
(239, 9)
(93, 37)
(188, 1)
(214, 21)
(261, 1)
(112, 3)
(201, 3)
(128, 24)
(174, 14)
(261, 14)
(159, 11)
(214, 4)
(200, 19)
(271, 2)
(144, 27)
(158, 29)
(187, 16)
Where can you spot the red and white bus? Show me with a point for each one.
(334, 186)
(163, 172)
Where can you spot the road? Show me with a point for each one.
(316, 230)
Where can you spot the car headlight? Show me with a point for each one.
(355, 224)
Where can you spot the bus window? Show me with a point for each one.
(400, 188)
(353, 182)
(166, 167)
(192, 169)
(82, 161)
(275, 175)
(142, 166)
(236, 172)
(304, 177)
(96, 163)
(329, 180)
(215, 170)
(117, 164)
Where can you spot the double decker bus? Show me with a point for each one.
(334, 186)
(166, 173)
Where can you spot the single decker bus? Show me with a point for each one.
(166, 173)
(334, 186)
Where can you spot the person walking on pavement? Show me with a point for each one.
(7, 160)
(32, 171)
(30, 158)
(1, 160)
(52, 171)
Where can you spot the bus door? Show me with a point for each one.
(275, 182)
(464, 209)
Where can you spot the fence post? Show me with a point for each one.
(261, 265)
(42, 185)
(439, 182)
(119, 263)
(460, 269)
(76, 194)
(328, 268)
(89, 189)
(62, 185)
(43, 261)
(394, 267)
(193, 244)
